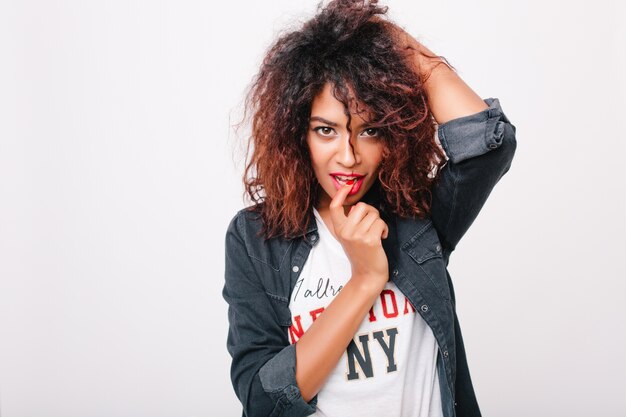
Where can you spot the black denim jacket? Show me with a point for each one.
(260, 276)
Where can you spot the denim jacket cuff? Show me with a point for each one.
(470, 136)
(278, 378)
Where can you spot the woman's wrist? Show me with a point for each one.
(428, 64)
(424, 61)
(370, 284)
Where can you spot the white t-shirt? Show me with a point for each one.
(390, 367)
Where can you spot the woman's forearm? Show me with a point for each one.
(321, 346)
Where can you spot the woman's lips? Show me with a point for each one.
(355, 187)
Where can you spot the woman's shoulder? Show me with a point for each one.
(246, 231)
(246, 220)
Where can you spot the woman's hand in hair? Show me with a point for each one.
(361, 233)
(422, 60)
(449, 97)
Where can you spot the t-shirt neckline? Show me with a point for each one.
(326, 231)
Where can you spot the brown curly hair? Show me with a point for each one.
(349, 45)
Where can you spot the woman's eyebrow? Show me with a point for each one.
(329, 123)
(321, 119)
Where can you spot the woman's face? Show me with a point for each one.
(335, 151)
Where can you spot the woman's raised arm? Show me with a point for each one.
(477, 137)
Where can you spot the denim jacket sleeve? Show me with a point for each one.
(480, 148)
(263, 362)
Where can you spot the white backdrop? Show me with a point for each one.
(118, 179)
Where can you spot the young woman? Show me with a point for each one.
(340, 302)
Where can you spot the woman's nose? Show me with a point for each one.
(347, 154)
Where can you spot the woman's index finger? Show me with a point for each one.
(337, 214)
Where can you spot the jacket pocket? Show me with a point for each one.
(281, 308)
(426, 250)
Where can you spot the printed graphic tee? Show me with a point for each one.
(390, 366)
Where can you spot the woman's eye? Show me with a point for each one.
(323, 130)
(372, 131)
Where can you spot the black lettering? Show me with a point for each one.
(365, 360)
(388, 349)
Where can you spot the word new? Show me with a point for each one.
(388, 304)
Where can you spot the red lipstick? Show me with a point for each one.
(356, 184)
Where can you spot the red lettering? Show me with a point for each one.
(387, 314)
(315, 313)
(296, 332)
(372, 316)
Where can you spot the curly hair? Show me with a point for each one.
(349, 45)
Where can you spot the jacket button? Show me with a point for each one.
(493, 145)
(455, 403)
(424, 307)
(395, 272)
(313, 238)
(296, 268)
(438, 248)
(445, 353)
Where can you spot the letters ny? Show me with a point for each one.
(364, 359)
